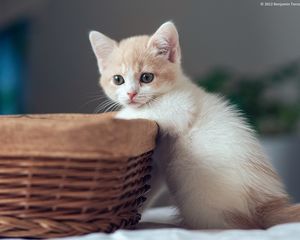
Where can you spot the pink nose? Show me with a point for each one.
(131, 95)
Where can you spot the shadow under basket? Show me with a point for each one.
(72, 174)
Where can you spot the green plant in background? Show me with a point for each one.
(270, 101)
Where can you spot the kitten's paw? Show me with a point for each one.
(124, 115)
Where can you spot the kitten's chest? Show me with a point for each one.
(174, 115)
(175, 119)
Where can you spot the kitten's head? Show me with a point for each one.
(138, 69)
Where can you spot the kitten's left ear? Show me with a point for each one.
(102, 47)
(165, 42)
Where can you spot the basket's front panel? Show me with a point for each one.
(134, 188)
(53, 197)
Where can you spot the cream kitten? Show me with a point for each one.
(212, 162)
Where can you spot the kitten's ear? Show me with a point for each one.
(165, 42)
(102, 47)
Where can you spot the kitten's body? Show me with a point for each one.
(212, 162)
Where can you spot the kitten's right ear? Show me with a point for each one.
(165, 42)
(102, 47)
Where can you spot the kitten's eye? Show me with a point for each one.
(118, 79)
(147, 77)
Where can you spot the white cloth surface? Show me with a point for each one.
(154, 222)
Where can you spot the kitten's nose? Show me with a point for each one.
(131, 95)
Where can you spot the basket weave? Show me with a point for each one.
(64, 175)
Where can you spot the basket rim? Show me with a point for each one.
(75, 136)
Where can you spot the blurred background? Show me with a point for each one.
(245, 51)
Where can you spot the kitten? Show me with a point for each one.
(212, 162)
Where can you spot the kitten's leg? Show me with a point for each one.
(159, 189)
(211, 179)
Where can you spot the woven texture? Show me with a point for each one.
(61, 193)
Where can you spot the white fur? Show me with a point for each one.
(205, 155)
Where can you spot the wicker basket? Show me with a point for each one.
(72, 174)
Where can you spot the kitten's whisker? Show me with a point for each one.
(103, 105)
(93, 99)
(141, 95)
(108, 106)
(115, 107)
(111, 107)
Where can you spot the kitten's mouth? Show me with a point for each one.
(133, 103)
(138, 104)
